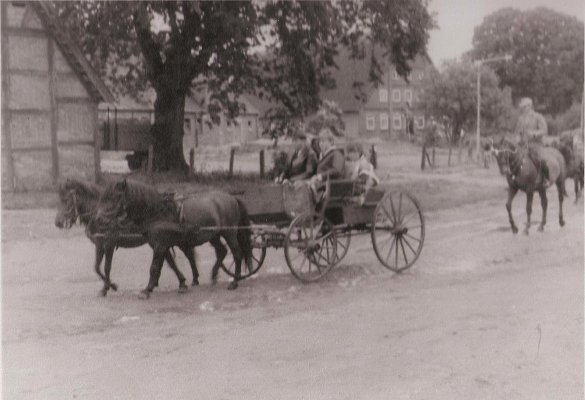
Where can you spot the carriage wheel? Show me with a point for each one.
(258, 256)
(343, 240)
(398, 230)
(310, 247)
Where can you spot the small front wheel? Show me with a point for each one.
(398, 230)
(258, 256)
(310, 247)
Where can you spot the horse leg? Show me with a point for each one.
(511, 193)
(544, 204)
(190, 254)
(180, 276)
(155, 267)
(561, 190)
(529, 197)
(220, 253)
(232, 242)
(99, 256)
(576, 181)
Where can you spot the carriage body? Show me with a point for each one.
(315, 238)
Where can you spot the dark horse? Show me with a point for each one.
(78, 201)
(522, 174)
(197, 220)
(573, 152)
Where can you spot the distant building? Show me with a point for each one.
(125, 124)
(382, 111)
(50, 95)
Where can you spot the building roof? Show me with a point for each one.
(72, 53)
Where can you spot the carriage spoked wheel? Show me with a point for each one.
(398, 230)
(258, 256)
(310, 247)
(343, 240)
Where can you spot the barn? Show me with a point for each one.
(50, 97)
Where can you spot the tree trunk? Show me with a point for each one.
(167, 131)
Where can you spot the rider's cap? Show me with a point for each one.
(525, 101)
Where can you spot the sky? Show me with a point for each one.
(458, 18)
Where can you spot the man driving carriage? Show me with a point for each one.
(531, 127)
(303, 162)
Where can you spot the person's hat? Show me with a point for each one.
(525, 101)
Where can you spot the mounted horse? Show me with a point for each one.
(522, 174)
(78, 201)
(196, 220)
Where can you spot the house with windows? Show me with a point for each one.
(382, 111)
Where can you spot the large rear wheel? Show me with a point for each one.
(398, 230)
(310, 247)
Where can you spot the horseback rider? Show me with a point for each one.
(531, 127)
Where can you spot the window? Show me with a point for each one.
(395, 74)
(370, 121)
(396, 121)
(383, 94)
(408, 95)
(420, 122)
(416, 95)
(383, 121)
(395, 95)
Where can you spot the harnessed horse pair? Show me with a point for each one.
(129, 214)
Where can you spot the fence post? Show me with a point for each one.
(262, 163)
(149, 166)
(191, 163)
(374, 157)
(433, 163)
(422, 159)
(232, 154)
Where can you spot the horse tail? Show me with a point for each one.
(244, 235)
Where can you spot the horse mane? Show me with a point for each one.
(82, 187)
(145, 199)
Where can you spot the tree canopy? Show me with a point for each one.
(547, 55)
(451, 97)
(282, 50)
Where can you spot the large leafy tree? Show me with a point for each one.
(284, 50)
(451, 97)
(547, 55)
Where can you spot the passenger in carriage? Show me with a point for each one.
(302, 163)
(359, 169)
(358, 166)
(331, 164)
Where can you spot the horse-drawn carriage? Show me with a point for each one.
(316, 237)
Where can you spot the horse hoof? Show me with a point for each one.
(113, 286)
(195, 282)
(183, 289)
(514, 230)
(541, 228)
(103, 292)
(562, 223)
(233, 286)
(526, 232)
(144, 295)
(213, 280)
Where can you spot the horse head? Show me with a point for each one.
(503, 151)
(76, 201)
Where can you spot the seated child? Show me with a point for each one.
(358, 168)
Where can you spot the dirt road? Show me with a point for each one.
(483, 314)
